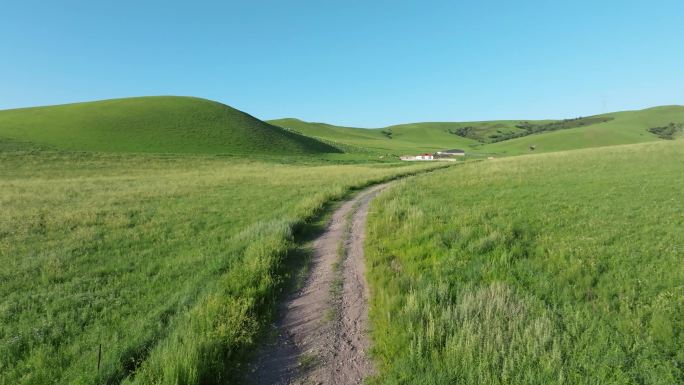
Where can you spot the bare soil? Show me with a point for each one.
(322, 335)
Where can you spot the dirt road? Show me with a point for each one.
(322, 333)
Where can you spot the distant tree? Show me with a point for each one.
(666, 132)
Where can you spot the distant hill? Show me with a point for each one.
(623, 128)
(505, 136)
(395, 140)
(173, 124)
(157, 124)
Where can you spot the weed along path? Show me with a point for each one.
(322, 331)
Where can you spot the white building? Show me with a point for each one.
(417, 157)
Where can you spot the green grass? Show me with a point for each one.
(395, 140)
(486, 136)
(170, 124)
(562, 268)
(308, 361)
(161, 124)
(121, 226)
(475, 132)
(171, 263)
(626, 128)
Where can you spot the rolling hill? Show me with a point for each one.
(157, 124)
(625, 127)
(172, 124)
(502, 137)
(396, 140)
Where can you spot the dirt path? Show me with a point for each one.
(322, 332)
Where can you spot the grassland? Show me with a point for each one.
(562, 268)
(169, 263)
(626, 128)
(504, 137)
(395, 141)
(158, 230)
(161, 124)
(185, 125)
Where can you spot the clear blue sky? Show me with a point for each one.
(364, 63)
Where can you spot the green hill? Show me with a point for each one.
(395, 139)
(171, 124)
(624, 128)
(158, 124)
(497, 130)
(351, 139)
(503, 136)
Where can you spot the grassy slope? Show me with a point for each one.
(161, 124)
(627, 127)
(403, 140)
(170, 262)
(483, 129)
(561, 268)
(192, 125)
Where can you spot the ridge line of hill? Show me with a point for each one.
(191, 125)
(153, 124)
(504, 136)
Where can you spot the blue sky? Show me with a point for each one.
(362, 63)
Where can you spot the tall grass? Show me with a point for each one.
(170, 263)
(563, 268)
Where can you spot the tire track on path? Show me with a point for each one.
(322, 331)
